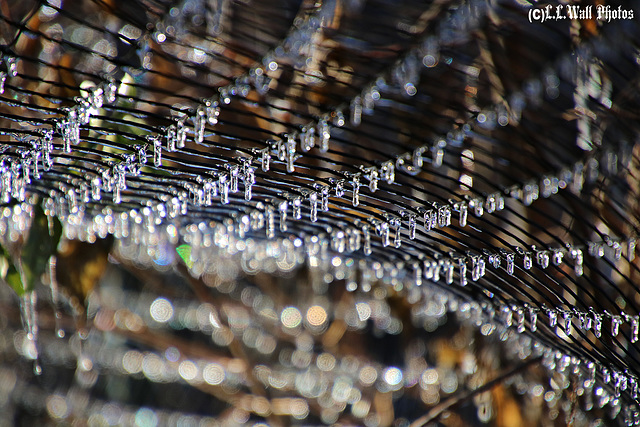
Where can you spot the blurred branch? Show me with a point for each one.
(461, 398)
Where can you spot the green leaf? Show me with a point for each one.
(185, 253)
(12, 276)
(41, 244)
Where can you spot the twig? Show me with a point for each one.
(456, 400)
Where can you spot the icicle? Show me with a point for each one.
(553, 318)
(510, 263)
(631, 249)
(527, 263)
(34, 154)
(367, 240)
(494, 260)
(53, 284)
(223, 188)
(339, 187)
(283, 208)
(355, 182)
(634, 322)
(96, 184)
(372, 175)
(462, 271)
(585, 321)
(171, 138)
(324, 131)
(47, 148)
(181, 134)
(533, 319)
(411, 223)
(476, 268)
(117, 196)
(141, 151)
(30, 321)
(313, 200)
(291, 153)
(462, 208)
(297, 204)
(249, 179)
(558, 254)
(499, 202)
(444, 216)
(427, 215)
(507, 315)
(490, 203)
(606, 375)
(270, 223)
(542, 258)
(157, 150)
(396, 224)
(338, 119)
(96, 98)
(207, 192)
(83, 110)
(265, 159)
(234, 171)
(438, 153)
(596, 249)
(597, 324)
(199, 122)
(383, 230)
(478, 206)
(310, 138)
(323, 191)
(566, 315)
(212, 111)
(615, 325)
(577, 255)
(617, 250)
(225, 96)
(387, 172)
(356, 111)
(3, 79)
(448, 272)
